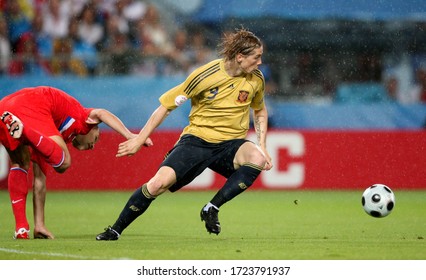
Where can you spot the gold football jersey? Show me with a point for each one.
(220, 104)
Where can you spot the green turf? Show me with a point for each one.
(326, 225)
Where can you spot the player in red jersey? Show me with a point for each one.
(37, 124)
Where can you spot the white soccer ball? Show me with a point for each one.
(378, 200)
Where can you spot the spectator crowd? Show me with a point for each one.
(95, 37)
(136, 37)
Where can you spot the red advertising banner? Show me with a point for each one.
(302, 160)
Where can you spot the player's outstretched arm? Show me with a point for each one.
(132, 146)
(39, 199)
(101, 115)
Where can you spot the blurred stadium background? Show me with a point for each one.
(346, 82)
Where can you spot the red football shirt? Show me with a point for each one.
(48, 110)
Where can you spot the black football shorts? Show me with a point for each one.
(192, 155)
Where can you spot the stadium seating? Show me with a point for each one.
(359, 93)
(135, 98)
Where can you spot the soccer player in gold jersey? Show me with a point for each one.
(222, 93)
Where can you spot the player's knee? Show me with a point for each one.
(60, 169)
(157, 186)
(64, 166)
(249, 152)
(22, 165)
(257, 157)
(20, 158)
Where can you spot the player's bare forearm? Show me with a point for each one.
(261, 127)
(39, 200)
(260, 120)
(39, 194)
(132, 146)
(105, 116)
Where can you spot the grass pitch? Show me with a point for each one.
(257, 225)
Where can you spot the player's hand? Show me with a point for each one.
(128, 148)
(148, 142)
(268, 164)
(41, 232)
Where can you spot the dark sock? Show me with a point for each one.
(242, 178)
(136, 206)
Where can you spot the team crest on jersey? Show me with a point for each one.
(242, 96)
